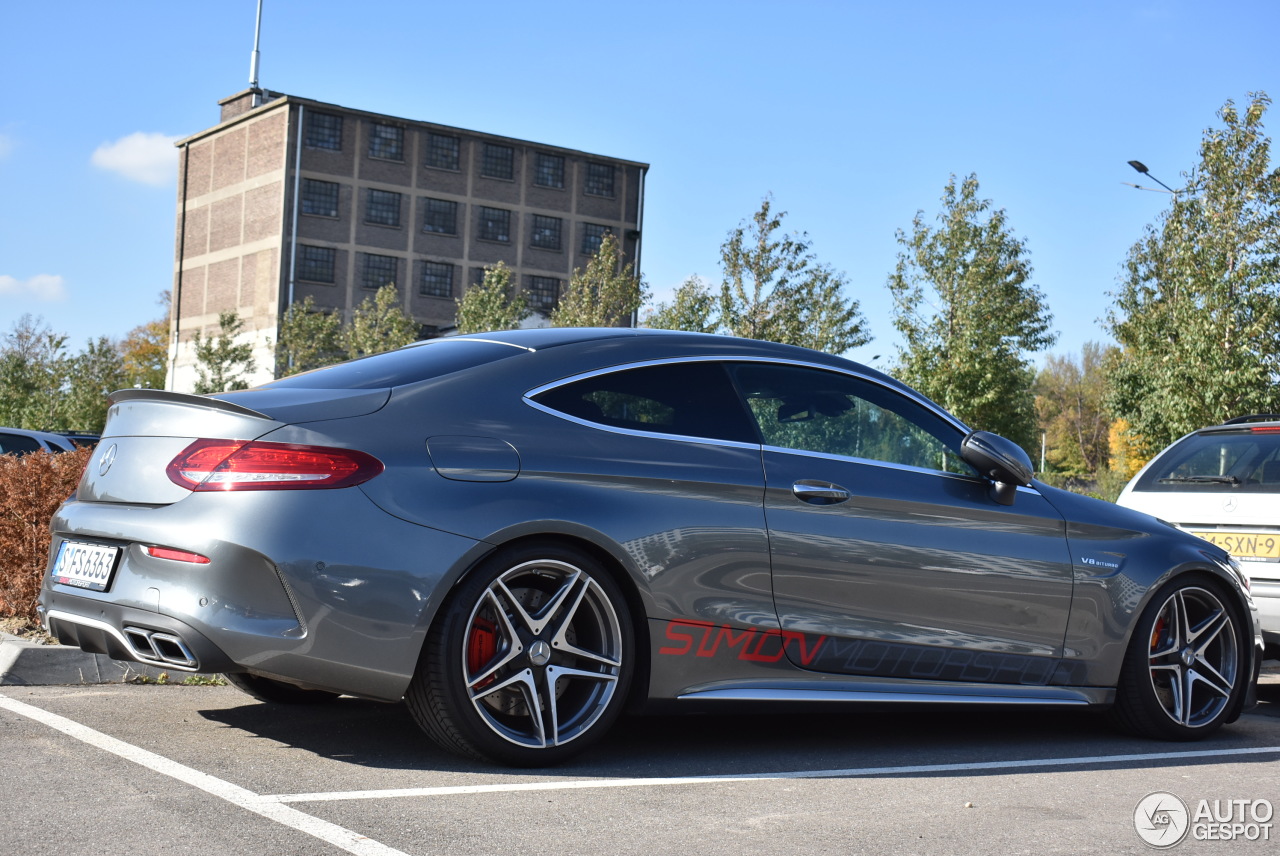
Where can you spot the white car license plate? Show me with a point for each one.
(86, 566)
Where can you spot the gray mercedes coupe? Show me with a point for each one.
(522, 534)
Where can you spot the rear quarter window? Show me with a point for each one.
(689, 399)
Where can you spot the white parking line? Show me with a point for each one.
(854, 772)
(267, 807)
(274, 807)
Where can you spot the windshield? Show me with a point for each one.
(1247, 461)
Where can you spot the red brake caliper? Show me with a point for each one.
(482, 645)
(1156, 633)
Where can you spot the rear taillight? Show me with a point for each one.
(177, 555)
(1268, 429)
(243, 465)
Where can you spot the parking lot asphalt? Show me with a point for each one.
(205, 770)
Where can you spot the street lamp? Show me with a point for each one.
(1142, 168)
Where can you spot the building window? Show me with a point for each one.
(549, 171)
(437, 279)
(442, 151)
(477, 276)
(546, 232)
(382, 207)
(544, 292)
(316, 264)
(319, 197)
(379, 271)
(499, 162)
(592, 237)
(495, 225)
(324, 131)
(599, 179)
(440, 216)
(386, 142)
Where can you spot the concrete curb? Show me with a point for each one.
(30, 664)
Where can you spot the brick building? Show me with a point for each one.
(287, 197)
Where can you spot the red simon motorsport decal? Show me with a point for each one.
(758, 646)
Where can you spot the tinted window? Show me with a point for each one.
(18, 443)
(1247, 460)
(692, 399)
(835, 414)
(407, 365)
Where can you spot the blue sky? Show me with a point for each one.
(852, 114)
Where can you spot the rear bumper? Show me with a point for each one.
(122, 633)
(316, 588)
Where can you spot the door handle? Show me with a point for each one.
(819, 492)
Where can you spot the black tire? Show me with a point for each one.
(1185, 667)
(266, 689)
(536, 626)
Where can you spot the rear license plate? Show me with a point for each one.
(1246, 545)
(86, 566)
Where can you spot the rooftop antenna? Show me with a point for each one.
(253, 59)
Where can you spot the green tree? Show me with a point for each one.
(309, 339)
(1071, 409)
(1197, 311)
(693, 308)
(606, 293)
(145, 351)
(492, 304)
(33, 374)
(93, 374)
(379, 324)
(221, 364)
(774, 288)
(968, 314)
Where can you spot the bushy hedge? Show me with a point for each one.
(31, 489)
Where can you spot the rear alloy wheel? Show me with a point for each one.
(1185, 667)
(529, 661)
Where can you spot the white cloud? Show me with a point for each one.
(43, 286)
(6, 146)
(149, 158)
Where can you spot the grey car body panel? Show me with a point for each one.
(473, 459)
(1121, 557)
(309, 405)
(336, 589)
(916, 558)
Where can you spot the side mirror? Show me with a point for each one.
(1000, 460)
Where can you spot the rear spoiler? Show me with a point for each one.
(122, 395)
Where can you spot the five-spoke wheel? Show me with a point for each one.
(1185, 665)
(530, 660)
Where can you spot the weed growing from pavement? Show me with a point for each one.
(188, 681)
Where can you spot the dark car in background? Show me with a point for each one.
(522, 533)
(20, 441)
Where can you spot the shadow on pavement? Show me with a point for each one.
(384, 736)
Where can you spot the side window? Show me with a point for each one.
(18, 443)
(834, 414)
(692, 399)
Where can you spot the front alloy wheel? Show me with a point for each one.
(530, 660)
(1185, 666)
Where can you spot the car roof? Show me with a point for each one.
(47, 437)
(1243, 423)
(680, 343)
